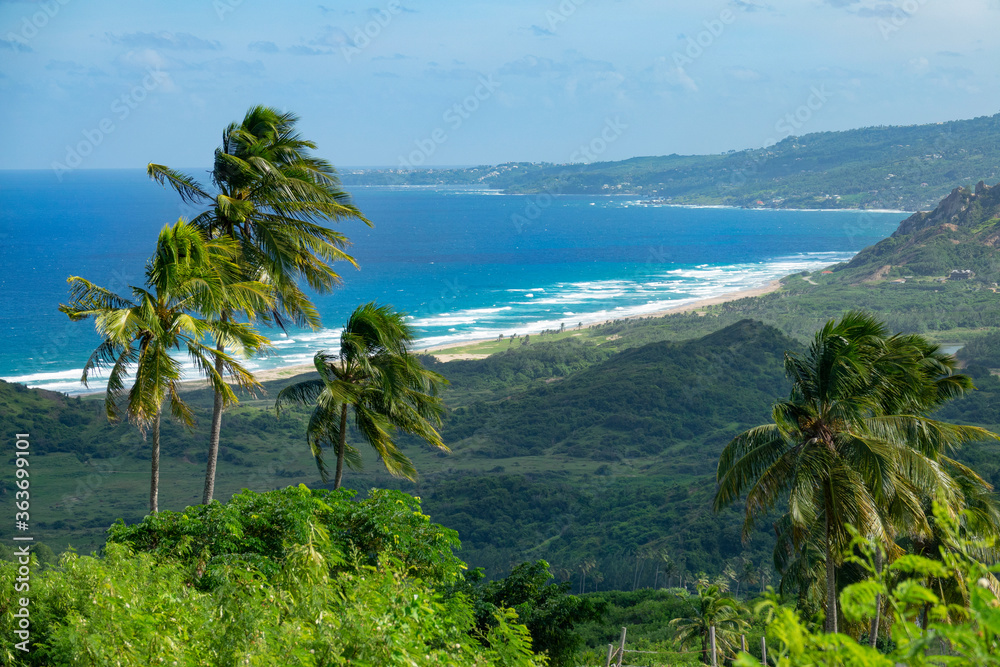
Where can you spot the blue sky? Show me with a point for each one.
(98, 84)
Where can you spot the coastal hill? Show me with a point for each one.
(958, 240)
(635, 404)
(537, 467)
(591, 449)
(896, 167)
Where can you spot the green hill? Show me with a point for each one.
(637, 403)
(899, 167)
(591, 449)
(960, 234)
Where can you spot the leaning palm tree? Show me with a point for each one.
(274, 198)
(381, 382)
(188, 281)
(853, 444)
(712, 608)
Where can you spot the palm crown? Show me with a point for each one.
(382, 382)
(273, 196)
(853, 444)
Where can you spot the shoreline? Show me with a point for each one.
(284, 372)
(288, 372)
(498, 191)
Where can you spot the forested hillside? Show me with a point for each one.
(961, 235)
(905, 167)
(596, 455)
(595, 449)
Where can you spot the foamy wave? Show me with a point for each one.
(51, 376)
(643, 290)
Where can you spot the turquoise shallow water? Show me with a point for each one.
(464, 264)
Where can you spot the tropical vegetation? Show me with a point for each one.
(601, 448)
(287, 577)
(381, 383)
(189, 281)
(853, 445)
(274, 199)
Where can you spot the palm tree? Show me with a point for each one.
(713, 609)
(852, 445)
(274, 198)
(188, 281)
(376, 377)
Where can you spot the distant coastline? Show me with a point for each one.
(439, 352)
(444, 187)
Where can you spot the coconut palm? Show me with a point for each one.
(712, 608)
(188, 281)
(274, 198)
(384, 385)
(852, 445)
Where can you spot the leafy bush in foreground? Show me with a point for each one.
(290, 577)
(926, 628)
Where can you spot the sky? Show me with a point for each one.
(408, 83)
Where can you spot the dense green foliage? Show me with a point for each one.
(907, 168)
(287, 577)
(262, 530)
(636, 403)
(926, 628)
(550, 615)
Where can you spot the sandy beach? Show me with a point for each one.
(685, 308)
(439, 352)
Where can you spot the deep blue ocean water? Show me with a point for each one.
(464, 264)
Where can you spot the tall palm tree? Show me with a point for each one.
(188, 281)
(384, 385)
(274, 198)
(853, 444)
(712, 608)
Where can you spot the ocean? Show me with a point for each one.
(464, 264)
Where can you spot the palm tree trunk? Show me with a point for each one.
(873, 634)
(214, 434)
(341, 447)
(154, 481)
(831, 580)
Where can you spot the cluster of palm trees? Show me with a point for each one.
(241, 262)
(713, 609)
(854, 445)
